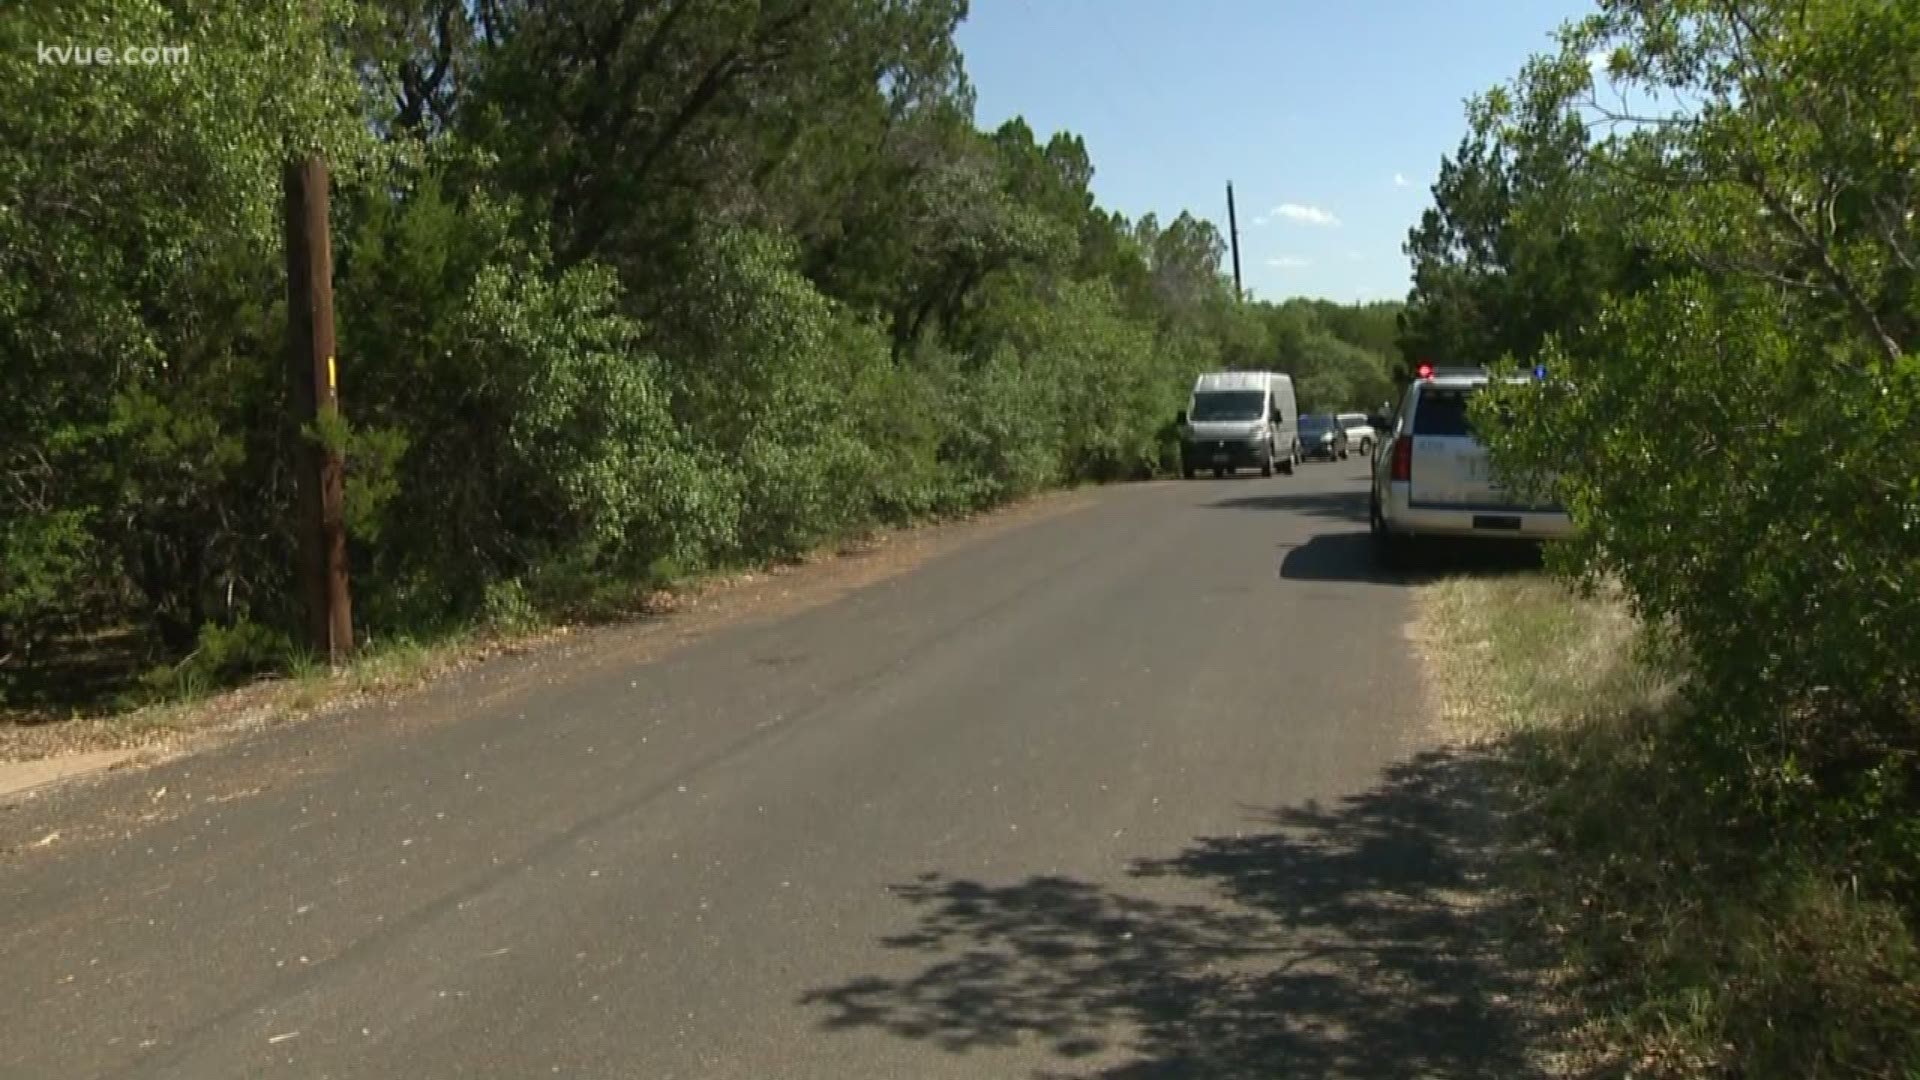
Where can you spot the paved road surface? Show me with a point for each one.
(1139, 790)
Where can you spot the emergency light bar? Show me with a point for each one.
(1426, 370)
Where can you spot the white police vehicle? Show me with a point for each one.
(1433, 478)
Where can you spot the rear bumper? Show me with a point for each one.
(1319, 450)
(1405, 518)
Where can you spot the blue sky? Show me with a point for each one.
(1329, 117)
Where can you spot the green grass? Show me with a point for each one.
(1697, 941)
(402, 662)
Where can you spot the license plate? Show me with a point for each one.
(1502, 522)
(1219, 457)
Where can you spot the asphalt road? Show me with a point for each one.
(1141, 790)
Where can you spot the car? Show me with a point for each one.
(1432, 476)
(1239, 419)
(1321, 436)
(1360, 433)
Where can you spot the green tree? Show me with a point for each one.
(1731, 426)
(139, 286)
(623, 291)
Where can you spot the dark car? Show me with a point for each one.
(1323, 436)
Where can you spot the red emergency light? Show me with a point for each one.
(1424, 371)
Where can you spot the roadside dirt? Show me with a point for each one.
(672, 619)
(1476, 714)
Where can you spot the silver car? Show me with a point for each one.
(1360, 433)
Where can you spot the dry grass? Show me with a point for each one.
(172, 724)
(1687, 947)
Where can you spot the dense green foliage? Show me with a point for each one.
(624, 291)
(1725, 293)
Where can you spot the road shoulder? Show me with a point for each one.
(40, 757)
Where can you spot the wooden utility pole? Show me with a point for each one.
(319, 468)
(1233, 232)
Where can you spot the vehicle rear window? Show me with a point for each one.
(1441, 411)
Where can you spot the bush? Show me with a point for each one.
(1733, 428)
(1805, 656)
(224, 654)
(507, 607)
(782, 391)
(1702, 940)
(902, 414)
(45, 561)
(1001, 437)
(525, 419)
(1080, 376)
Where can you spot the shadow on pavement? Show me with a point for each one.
(1348, 556)
(1341, 505)
(1345, 556)
(1351, 941)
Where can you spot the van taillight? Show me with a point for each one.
(1403, 458)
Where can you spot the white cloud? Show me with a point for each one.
(1355, 256)
(1306, 215)
(1288, 262)
(1399, 180)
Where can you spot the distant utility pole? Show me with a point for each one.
(1233, 232)
(320, 471)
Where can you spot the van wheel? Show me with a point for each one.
(1266, 463)
(1293, 459)
(1219, 473)
(1188, 471)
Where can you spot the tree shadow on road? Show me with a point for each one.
(1359, 940)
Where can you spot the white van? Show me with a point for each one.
(1240, 419)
